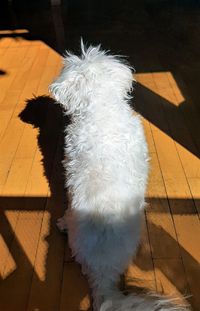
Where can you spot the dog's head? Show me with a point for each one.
(95, 74)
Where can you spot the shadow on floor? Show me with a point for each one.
(2, 72)
(168, 117)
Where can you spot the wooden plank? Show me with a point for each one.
(149, 137)
(5, 42)
(24, 69)
(8, 147)
(13, 57)
(194, 184)
(183, 140)
(75, 291)
(159, 218)
(53, 58)
(140, 273)
(7, 106)
(191, 263)
(188, 109)
(47, 78)
(176, 90)
(28, 143)
(170, 278)
(6, 81)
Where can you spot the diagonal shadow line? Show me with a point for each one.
(37, 204)
(186, 279)
(10, 238)
(164, 115)
(13, 275)
(177, 206)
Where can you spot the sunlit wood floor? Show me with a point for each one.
(36, 270)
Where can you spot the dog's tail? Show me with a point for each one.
(115, 300)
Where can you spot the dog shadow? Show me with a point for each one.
(43, 113)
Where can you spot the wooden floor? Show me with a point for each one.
(37, 272)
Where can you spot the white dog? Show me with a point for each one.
(107, 169)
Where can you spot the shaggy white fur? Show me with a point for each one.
(106, 174)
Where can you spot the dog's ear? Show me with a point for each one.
(63, 90)
(70, 91)
(60, 91)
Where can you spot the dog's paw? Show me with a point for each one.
(61, 224)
